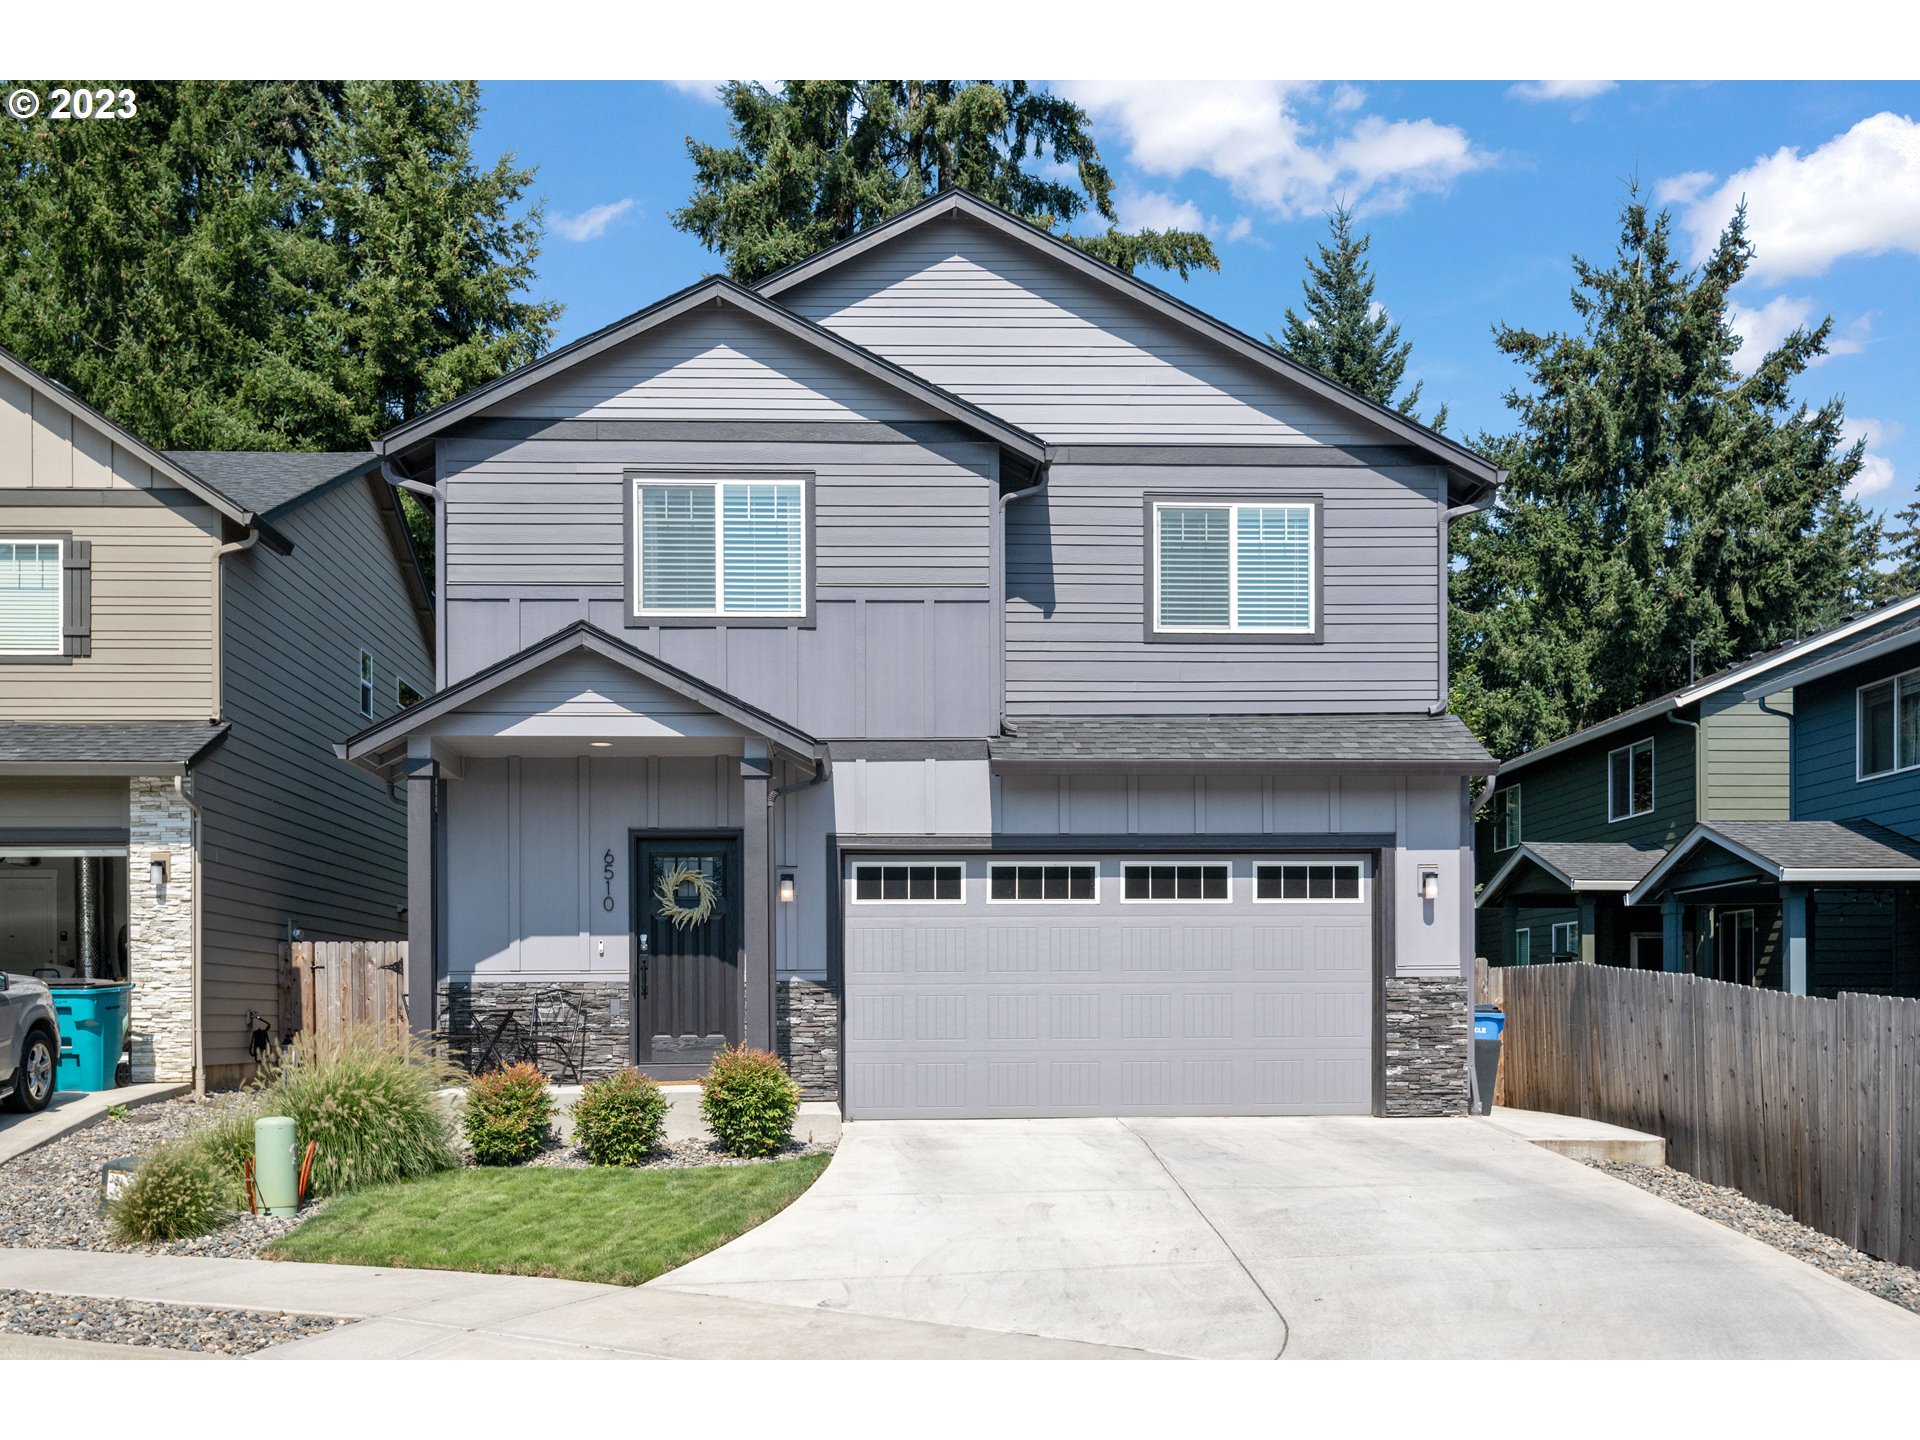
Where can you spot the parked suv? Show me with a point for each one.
(29, 1043)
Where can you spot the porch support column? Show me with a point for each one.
(1793, 925)
(1589, 918)
(423, 896)
(756, 895)
(1673, 936)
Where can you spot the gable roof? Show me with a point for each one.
(109, 747)
(1749, 671)
(1800, 852)
(194, 484)
(369, 747)
(1480, 473)
(1874, 647)
(1608, 866)
(715, 291)
(271, 480)
(1374, 744)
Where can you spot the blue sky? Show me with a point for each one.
(1477, 195)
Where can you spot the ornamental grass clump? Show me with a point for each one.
(618, 1120)
(371, 1102)
(179, 1191)
(749, 1101)
(508, 1115)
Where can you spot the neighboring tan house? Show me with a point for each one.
(961, 666)
(1843, 870)
(1575, 828)
(181, 638)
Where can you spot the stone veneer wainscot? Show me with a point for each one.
(1428, 1032)
(160, 929)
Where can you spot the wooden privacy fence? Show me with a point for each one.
(333, 984)
(1809, 1105)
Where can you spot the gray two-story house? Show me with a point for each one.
(962, 667)
(182, 638)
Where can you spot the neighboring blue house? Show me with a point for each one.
(1844, 869)
(962, 667)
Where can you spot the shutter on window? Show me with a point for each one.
(1194, 567)
(1276, 567)
(765, 572)
(77, 624)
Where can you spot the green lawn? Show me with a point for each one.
(620, 1227)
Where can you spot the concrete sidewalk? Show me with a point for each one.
(71, 1110)
(1577, 1138)
(444, 1315)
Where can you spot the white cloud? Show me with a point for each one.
(1345, 98)
(699, 89)
(1560, 89)
(1876, 471)
(1858, 194)
(1279, 145)
(1762, 327)
(1157, 210)
(590, 224)
(1682, 189)
(1239, 230)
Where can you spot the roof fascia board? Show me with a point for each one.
(1653, 710)
(962, 203)
(724, 292)
(1820, 669)
(1092, 765)
(1701, 834)
(1501, 876)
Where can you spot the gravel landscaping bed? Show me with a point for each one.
(49, 1198)
(674, 1155)
(1889, 1281)
(153, 1323)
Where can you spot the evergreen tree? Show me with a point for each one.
(1345, 334)
(1664, 514)
(823, 160)
(1902, 576)
(268, 265)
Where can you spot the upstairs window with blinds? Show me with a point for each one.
(1223, 568)
(720, 547)
(31, 608)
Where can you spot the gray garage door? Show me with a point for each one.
(1089, 985)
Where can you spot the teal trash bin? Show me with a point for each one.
(93, 1017)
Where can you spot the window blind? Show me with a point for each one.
(678, 536)
(764, 561)
(1195, 568)
(1275, 567)
(30, 597)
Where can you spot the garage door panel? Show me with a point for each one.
(1108, 1006)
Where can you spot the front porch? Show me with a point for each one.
(1561, 902)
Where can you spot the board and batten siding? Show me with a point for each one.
(1078, 558)
(1020, 334)
(1746, 747)
(1826, 783)
(289, 833)
(151, 578)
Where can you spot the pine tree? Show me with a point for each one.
(1901, 578)
(1345, 334)
(1663, 513)
(823, 160)
(268, 265)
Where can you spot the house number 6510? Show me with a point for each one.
(606, 870)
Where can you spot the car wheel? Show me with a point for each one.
(33, 1081)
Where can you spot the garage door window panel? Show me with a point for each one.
(1050, 882)
(909, 884)
(1178, 884)
(1312, 881)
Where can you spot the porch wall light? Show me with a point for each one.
(1429, 883)
(786, 887)
(159, 871)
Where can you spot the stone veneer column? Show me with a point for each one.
(160, 930)
(807, 1037)
(1428, 1032)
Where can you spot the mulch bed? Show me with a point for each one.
(154, 1324)
(1897, 1283)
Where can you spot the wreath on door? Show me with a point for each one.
(686, 895)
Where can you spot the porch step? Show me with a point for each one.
(1579, 1139)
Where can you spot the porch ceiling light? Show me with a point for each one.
(601, 744)
(1429, 883)
(786, 887)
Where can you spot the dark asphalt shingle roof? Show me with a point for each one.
(130, 742)
(1823, 844)
(267, 480)
(1397, 741)
(1600, 862)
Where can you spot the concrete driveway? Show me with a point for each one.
(1312, 1238)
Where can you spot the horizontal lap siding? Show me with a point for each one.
(901, 642)
(1077, 597)
(1020, 334)
(1746, 748)
(291, 833)
(1825, 759)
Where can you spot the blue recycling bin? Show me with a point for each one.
(93, 1017)
(1489, 1024)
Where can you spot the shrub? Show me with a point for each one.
(616, 1121)
(749, 1101)
(180, 1189)
(370, 1099)
(508, 1114)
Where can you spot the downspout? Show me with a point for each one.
(1007, 497)
(1699, 763)
(1447, 517)
(236, 547)
(821, 770)
(185, 792)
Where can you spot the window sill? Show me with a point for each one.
(643, 621)
(1233, 637)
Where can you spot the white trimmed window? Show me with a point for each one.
(1221, 568)
(1286, 880)
(1890, 725)
(720, 547)
(909, 884)
(406, 695)
(366, 684)
(1566, 938)
(1189, 883)
(1043, 882)
(1630, 780)
(31, 602)
(1504, 813)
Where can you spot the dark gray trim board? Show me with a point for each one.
(164, 495)
(908, 749)
(807, 432)
(57, 835)
(1351, 457)
(1150, 568)
(634, 618)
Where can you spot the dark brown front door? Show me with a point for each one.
(686, 981)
